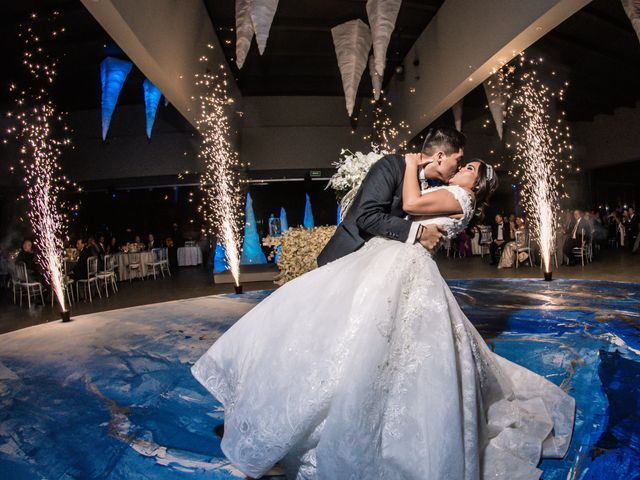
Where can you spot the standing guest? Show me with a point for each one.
(634, 237)
(80, 270)
(151, 242)
(577, 232)
(501, 236)
(28, 256)
(172, 253)
(464, 243)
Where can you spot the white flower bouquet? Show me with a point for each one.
(351, 170)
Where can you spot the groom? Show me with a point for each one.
(376, 210)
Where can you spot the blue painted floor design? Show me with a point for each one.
(110, 395)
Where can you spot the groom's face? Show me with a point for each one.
(449, 164)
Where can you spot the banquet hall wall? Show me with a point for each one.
(609, 139)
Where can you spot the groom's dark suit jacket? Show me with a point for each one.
(376, 211)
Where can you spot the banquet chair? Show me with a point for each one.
(67, 284)
(134, 265)
(526, 249)
(92, 279)
(486, 237)
(33, 289)
(14, 282)
(108, 275)
(155, 263)
(451, 246)
(584, 250)
(164, 260)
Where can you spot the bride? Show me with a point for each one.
(367, 368)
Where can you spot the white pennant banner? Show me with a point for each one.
(382, 18)
(457, 114)
(632, 8)
(493, 88)
(262, 13)
(352, 42)
(376, 80)
(244, 30)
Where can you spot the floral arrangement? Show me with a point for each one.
(351, 170)
(299, 249)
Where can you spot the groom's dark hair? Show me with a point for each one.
(449, 140)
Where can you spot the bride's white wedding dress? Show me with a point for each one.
(367, 368)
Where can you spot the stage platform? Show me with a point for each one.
(110, 395)
(249, 273)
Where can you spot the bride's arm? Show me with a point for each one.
(439, 202)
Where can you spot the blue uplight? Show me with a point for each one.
(151, 100)
(113, 73)
(284, 225)
(251, 250)
(220, 259)
(308, 215)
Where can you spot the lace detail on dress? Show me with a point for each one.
(452, 226)
(465, 201)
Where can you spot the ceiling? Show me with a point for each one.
(300, 58)
(80, 50)
(596, 49)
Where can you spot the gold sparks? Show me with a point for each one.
(38, 127)
(542, 152)
(220, 180)
(383, 131)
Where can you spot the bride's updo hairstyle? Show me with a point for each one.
(486, 183)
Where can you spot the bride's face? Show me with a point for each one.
(466, 176)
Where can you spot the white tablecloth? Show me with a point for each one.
(123, 259)
(189, 256)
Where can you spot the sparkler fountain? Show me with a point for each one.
(220, 180)
(542, 151)
(35, 128)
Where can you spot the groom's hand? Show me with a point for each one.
(430, 236)
(417, 159)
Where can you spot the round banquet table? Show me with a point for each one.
(123, 259)
(189, 256)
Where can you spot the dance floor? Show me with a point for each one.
(110, 394)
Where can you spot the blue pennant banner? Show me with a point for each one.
(284, 225)
(308, 215)
(151, 100)
(113, 73)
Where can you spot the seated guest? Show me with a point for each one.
(509, 251)
(96, 251)
(577, 232)
(101, 244)
(113, 246)
(80, 270)
(138, 242)
(501, 236)
(512, 225)
(28, 256)
(151, 244)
